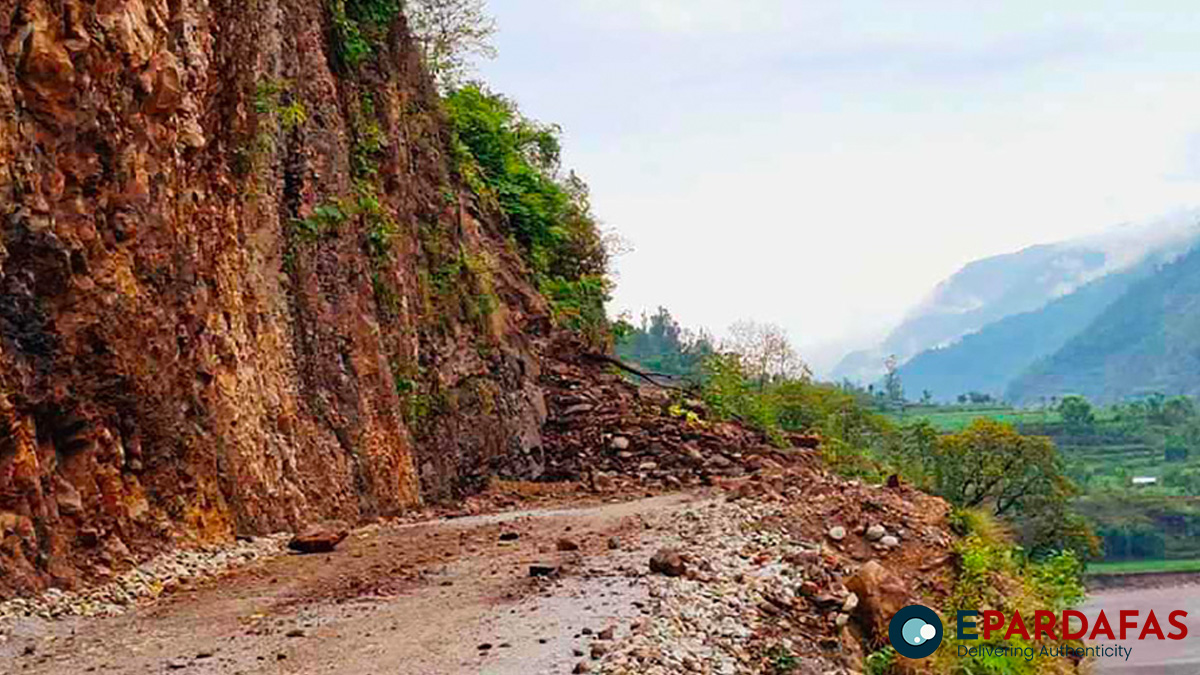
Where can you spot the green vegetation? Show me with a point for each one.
(996, 575)
(880, 662)
(988, 464)
(278, 110)
(278, 106)
(1145, 341)
(1155, 439)
(946, 418)
(660, 345)
(325, 220)
(369, 139)
(1143, 566)
(513, 164)
(983, 464)
(782, 660)
(359, 27)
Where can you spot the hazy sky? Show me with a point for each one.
(823, 164)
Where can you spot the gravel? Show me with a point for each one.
(707, 622)
(149, 580)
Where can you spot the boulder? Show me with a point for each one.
(850, 603)
(668, 562)
(880, 595)
(321, 538)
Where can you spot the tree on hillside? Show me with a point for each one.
(1077, 413)
(450, 33)
(661, 345)
(1178, 410)
(990, 463)
(891, 381)
(765, 352)
(515, 161)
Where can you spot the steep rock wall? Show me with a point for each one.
(203, 332)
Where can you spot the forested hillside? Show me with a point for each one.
(995, 288)
(1147, 341)
(989, 360)
(981, 292)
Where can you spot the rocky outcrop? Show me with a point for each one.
(203, 330)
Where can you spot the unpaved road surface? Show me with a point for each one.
(447, 596)
(1150, 656)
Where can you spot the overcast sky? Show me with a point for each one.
(822, 165)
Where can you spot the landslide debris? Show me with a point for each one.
(766, 591)
(612, 435)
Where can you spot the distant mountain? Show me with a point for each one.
(1146, 341)
(988, 290)
(989, 360)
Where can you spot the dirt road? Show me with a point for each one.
(448, 596)
(1160, 657)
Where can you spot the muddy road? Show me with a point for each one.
(447, 596)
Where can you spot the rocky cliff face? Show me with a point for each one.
(240, 288)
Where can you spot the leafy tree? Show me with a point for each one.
(449, 33)
(1077, 413)
(1177, 410)
(730, 394)
(990, 463)
(661, 345)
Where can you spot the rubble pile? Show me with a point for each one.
(604, 430)
(788, 573)
(164, 574)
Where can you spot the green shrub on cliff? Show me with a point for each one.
(992, 573)
(359, 26)
(513, 163)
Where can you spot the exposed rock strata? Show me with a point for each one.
(176, 360)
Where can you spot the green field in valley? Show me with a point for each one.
(1143, 566)
(956, 418)
(1145, 528)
